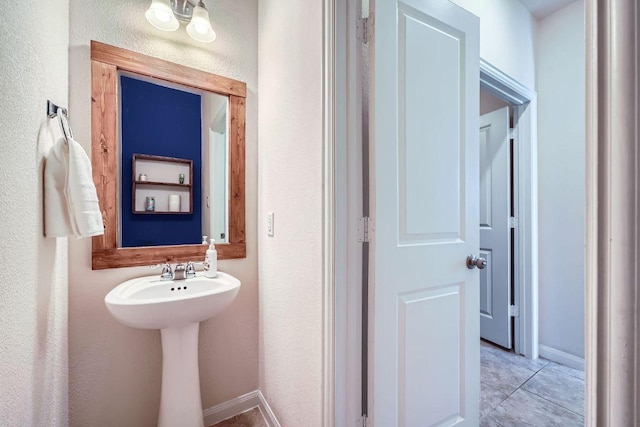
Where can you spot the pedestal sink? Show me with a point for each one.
(176, 308)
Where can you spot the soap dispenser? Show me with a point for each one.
(211, 261)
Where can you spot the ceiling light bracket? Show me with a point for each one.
(183, 9)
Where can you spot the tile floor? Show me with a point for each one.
(251, 418)
(515, 391)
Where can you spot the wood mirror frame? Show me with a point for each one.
(106, 61)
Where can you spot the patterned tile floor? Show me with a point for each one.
(519, 392)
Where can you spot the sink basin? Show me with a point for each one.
(175, 307)
(151, 303)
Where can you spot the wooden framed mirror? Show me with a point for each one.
(108, 64)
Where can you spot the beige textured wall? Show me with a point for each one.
(290, 179)
(115, 370)
(33, 297)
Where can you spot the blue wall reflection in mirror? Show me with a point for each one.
(159, 121)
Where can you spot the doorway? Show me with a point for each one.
(512, 385)
(612, 378)
(520, 305)
(497, 220)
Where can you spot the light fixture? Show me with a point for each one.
(200, 28)
(161, 16)
(165, 14)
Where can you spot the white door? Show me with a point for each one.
(426, 331)
(495, 291)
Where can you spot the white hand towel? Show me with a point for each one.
(82, 199)
(70, 199)
(57, 221)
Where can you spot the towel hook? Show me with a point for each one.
(66, 130)
(54, 110)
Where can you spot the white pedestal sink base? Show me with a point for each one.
(180, 401)
(151, 303)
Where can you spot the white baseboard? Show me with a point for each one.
(266, 412)
(561, 357)
(239, 405)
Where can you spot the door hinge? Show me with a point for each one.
(512, 132)
(514, 311)
(365, 229)
(364, 28)
(513, 222)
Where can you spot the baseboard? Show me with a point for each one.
(266, 412)
(239, 405)
(561, 357)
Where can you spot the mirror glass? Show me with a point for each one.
(168, 160)
(173, 163)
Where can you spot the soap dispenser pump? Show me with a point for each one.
(211, 261)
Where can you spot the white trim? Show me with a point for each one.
(329, 213)
(348, 206)
(526, 199)
(267, 413)
(591, 219)
(503, 86)
(237, 406)
(613, 213)
(561, 357)
(230, 408)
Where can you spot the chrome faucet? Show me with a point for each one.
(167, 273)
(179, 272)
(191, 270)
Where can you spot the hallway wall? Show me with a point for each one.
(507, 37)
(561, 153)
(116, 370)
(33, 302)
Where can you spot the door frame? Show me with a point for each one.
(342, 204)
(612, 303)
(525, 196)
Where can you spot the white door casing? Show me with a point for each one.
(495, 290)
(425, 201)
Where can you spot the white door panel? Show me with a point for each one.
(425, 203)
(495, 290)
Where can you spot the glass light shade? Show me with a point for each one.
(161, 16)
(200, 28)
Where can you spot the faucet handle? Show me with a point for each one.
(167, 273)
(191, 270)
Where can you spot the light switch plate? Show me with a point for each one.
(270, 224)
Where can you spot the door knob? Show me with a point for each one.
(473, 262)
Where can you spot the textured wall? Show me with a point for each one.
(33, 301)
(507, 37)
(290, 162)
(561, 153)
(115, 370)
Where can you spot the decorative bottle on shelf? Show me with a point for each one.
(211, 261)
(150, 204)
